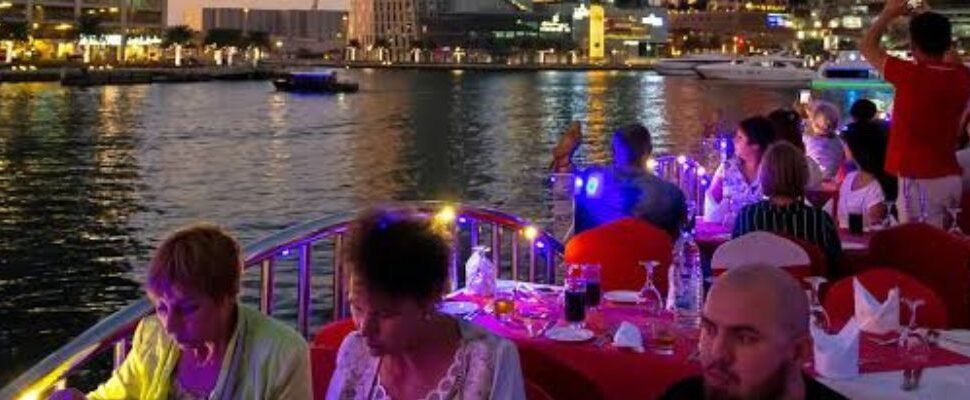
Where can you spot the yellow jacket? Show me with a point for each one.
(265, 359)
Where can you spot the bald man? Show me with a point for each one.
(754, 340)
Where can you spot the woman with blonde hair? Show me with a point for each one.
(783, 175)
(201, 343)
(821, 139)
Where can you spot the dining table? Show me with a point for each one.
(625, 373)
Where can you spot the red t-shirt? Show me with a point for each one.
(930, 99)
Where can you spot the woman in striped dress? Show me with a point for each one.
(783, 174)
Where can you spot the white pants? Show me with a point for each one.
(937, 194)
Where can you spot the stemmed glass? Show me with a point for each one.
(914, 348)
(649, 294)
(887, 222)
(954, 211)
(817, 313)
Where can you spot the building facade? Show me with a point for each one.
(291, 30)
(55, 18)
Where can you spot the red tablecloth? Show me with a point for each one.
(622, 374)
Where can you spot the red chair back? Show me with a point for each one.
(819, 264)
(555, 378)
(619, 247)
(323, 354)
(937, 259)
(535, 392)
(840, 305)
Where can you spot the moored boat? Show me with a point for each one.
(685, 66)
(759, 68)
(313, 82)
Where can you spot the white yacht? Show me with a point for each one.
(759, 68)
(849, 66)
(684, 66)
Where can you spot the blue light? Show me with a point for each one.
(593, 185)
(578, 183)
(462, 220)
(285, 253)
(540, 245)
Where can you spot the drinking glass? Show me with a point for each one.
(887, 222)
(954, 211)
(504, 305)
(914, 348)
(817, 313)
(649, 294)
(574, 301)
(591, 273)
(663, 338)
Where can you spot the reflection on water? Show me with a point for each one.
(90, 179)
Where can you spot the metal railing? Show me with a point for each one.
(506, 234)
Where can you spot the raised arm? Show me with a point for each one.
(870, 46)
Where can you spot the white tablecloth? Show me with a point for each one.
(941, 383)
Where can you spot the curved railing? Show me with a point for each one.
(507, 235)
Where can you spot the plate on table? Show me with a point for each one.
(622, 296)
(569, 334)
(854, 246)
(457, 307)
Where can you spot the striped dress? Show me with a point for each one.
(796, 220)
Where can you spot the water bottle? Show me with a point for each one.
(685, 294)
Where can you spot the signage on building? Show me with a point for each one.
(653, 21)
(115, 40)
(554, 26)
(776, 20)
(597, 17)
(852, 22)
(580, 13)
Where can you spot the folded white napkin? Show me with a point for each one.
(628, 335)
(876, 317)
(837, 356)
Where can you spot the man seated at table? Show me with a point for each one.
(625, 188)
(754, 355)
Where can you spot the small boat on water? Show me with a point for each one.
(313, 82)
(684, 66)
(772, 69)
(848, 65)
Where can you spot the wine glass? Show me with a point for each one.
(913, 348)
(954, 211)
(817, 313)
(887, 221)
(649, 294)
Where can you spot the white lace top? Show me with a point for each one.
(485, 367)
(737, 192)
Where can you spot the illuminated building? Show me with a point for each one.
(597, 21)
(312, 30)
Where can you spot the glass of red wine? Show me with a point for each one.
(574, 301)
(591, 273)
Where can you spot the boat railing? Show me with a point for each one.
(686, 173)
(519, 249)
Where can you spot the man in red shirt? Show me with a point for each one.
(931, 94)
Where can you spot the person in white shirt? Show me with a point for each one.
(735, 183)
(963, 155)
(863, 190)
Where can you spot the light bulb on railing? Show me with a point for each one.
(446, 215)
(285, 253)
(682, 159)
(540, 244)
(530, 232)
(701, 171)
(651, 165)
(462, 220)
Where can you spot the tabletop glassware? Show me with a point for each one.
(574, 301)
(591, 273)
(817, 313)
(887, 221)
(913, 348)
(662, 338)
(503, 305)
(649, 294)
(954, 211)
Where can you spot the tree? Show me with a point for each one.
(812, 47)
(13, 32)
(224, 38)
(178, 36)
(258, 40)
(381, 43)
(89, 27)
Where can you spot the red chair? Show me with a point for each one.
(535, 392)
(819, 263)
(937, 259)
(555, 378)
(840, 305)
(619, 247)
(323, 354)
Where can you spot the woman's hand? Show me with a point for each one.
(562, 154)
(67, 394)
